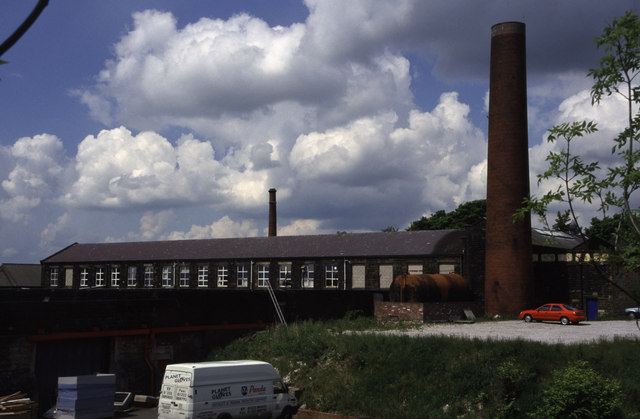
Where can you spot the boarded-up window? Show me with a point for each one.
(548, 257)
(357, 273)
(386, 276)
(446, 268)
(415, 269)
(68, 277)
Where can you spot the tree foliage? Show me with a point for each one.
(578, 391)
(464, 216)
(611, 190)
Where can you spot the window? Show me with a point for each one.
(223, 275)
(132, 275)
(184, 276)
(415, 269)
(307, 275)
(331, 276)
(446, 268)
(243, 276)
(148, 276)
(84, 277)
(68, 277)
(386, 276)
(263, 275)
(53, 277)
(115, 277)
(358, 276)
(285, 275)
(203, 276)
(167, 276)
(99, 277)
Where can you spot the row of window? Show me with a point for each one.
(184, 276)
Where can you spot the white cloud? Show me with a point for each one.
(219, 77)
(48, 235)
(225, 227)
(99, 107)
(445, 151)
(301, 227)
(117, 170)
(37, 175)
(17, 208)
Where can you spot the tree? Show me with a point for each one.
(22, 29)
(466, 215)
(584, 181)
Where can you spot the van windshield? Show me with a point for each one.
(279, 387)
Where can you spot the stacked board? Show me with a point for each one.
(86, 396)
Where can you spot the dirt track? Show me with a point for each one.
(539, 332)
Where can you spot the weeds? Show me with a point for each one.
(385, 376)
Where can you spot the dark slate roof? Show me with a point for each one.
(406, 243)
(19, 275)
(555, 239)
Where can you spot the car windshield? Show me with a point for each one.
(570, 308)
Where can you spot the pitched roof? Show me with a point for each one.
(19, 275)
(406, 243)
(555, 239)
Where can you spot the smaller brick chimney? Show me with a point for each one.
(273, 218)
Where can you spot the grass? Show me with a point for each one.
(384, 376)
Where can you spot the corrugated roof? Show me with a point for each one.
(19, 275)
(404, 243)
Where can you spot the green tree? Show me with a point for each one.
(464, 216)
(580, 180)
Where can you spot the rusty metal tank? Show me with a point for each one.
(429, 288)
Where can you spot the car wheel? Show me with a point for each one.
(528, 318)
(565, 321)
(632, 316)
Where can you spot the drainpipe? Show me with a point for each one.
(251, 276)
(344, 273)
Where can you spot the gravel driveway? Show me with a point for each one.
(538, 332)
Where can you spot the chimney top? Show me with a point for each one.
(273, 219)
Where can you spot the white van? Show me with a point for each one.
(224, 390)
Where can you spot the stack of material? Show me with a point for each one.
(86, 396)
(18, 406)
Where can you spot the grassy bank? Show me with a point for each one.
(401, 377)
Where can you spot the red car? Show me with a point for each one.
(563, 313)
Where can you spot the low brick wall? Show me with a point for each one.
(444, 311)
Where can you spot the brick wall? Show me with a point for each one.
(443, 311)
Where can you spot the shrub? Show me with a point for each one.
(578, 391)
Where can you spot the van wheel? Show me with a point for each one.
(286, 414)
(224, 416)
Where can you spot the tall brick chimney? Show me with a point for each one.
(273, 218)
(508, 271)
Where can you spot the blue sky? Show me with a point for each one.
(154, 120)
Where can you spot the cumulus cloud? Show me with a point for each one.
(213, 72)
(38, 174)
(117, 169)
(202, 118)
